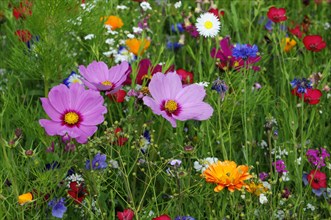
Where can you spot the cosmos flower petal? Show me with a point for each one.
(58, 97)
(152, 104)
(197, 111)
(50, 110)
(170, 119)
(191, 94)
(51, 127)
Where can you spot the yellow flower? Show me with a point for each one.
(227, 174)
(113, 21)
(137, 46)
(256, 189)
(288, 44)
(24, 198)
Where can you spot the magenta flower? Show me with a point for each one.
(99, 77)
(174, 102)
(73, 111)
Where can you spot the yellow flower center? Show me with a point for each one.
(76, 81)
(208, 24)
(171, 106)
(144, 90)
(71, 118)
(107, 83)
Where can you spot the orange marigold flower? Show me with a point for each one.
(288, 44)
(227, 174)
(25, 198)
(137, 46)
(113, 21)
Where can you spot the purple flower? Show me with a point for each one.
(174, 45)
(177, 28)
(184, 218)
(174, 102)
(316, 157)
(73, 78)
(220, 87)
(98, 162)
(263, 176)
(58, 207)
(175, 163)
(245, 51)
(280, 166)
(301, 85)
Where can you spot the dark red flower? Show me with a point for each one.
(186, 76)
(296, 31)
(216, 12)
(77, 191)
(317, 179)
(23, 10)
(127, 214)
(314, 43)
(277, 14)
(162, 217)
(118, 96)
(312, 96)
(23, 35)
(121, 140)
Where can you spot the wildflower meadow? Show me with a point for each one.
(165, 109)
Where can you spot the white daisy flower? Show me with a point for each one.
(89, 37)
(208, 25)
(145, 6)
(178, 4)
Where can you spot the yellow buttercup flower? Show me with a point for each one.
(25, 198)
(288, 44)
(137, 46)
(113, 21)
(227, 175)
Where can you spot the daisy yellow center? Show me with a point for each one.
(76, 81)
(171, 106)
(71, 118)
(208, 24)
(106, 83)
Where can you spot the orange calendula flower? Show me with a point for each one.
(288, 44)
(113, 21)
(25, 198)
(137, 46)
(256, 189)
(227, 175)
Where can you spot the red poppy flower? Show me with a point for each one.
(127, 214)
(277, 14)
(186, 76)
(23, 10)
(317, 179)
(120, 139)
(296, 31)
(118, 96)
(162, 217)
(77, 191)
(312, 96)
(314, 43)
(216, 12)
(23, 35)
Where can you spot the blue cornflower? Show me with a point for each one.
(220, 86)
(245, 51)
(178, 28)
(301, 85)
(184, 218)
(73, 78)
(174, 46)
(58, 207)
(98, 162)
(269, 25)
(147, 135)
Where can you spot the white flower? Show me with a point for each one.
(285, 177)
(89, 37)
(299, 161)
(74, 178)
(137, 30)
(204, 84)
(113, 164)
(178, 4)
(204, 163)
(263, 199)
(145, 6)
(327, 26)
(121, 7)
(110, 41)
(263, 144)
(107, 53)
(311, 207)
(130, 36)
(266, 185)
(208, 25)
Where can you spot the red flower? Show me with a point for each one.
(317, 179)
(216, 12)
(186, 76)
(120, 139)
(127, 214)
(314, 43)
(162, 217)
(312, 96)
(277, 14)
(296, 31)
(77, 192)
(23, 10)
(23, 35)
(118, 96)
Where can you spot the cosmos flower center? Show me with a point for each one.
(208, 24)
(107, 83)
(71, 118)
(171, 106)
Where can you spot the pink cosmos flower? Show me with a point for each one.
(99, 77)
(174, 102)
(73, 111)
